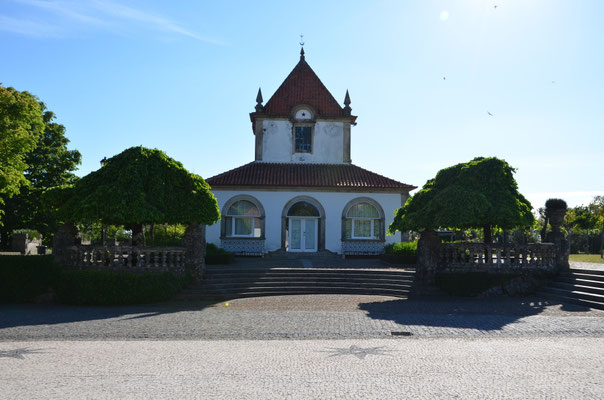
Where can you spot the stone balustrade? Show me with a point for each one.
(464, 257)
(128, 258)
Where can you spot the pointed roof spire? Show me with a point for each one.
(347, 108)
(259, 106)
(302, 47)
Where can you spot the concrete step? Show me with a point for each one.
(580, 281)
(588, 271)
(573, 300)
(581, 275)
(290, 285)
(304, 290)
(579, 286)
(576, 294)
(314, 278)
(232, 282)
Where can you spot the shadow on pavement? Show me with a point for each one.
(468, 313)
(32, 314)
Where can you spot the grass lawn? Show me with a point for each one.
(590, 258)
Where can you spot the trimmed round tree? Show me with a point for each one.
(142, 186)
(480, 194)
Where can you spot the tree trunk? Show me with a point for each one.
(488, 238)
(152, 234)
(544, 230)
(602, 242)
(138, 234)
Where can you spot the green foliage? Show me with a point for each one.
(218, 256)
(32, 234)
(470, 284)
(142, 186)
(588, 258)
(22, 278)
(400, 253)
(49, 165)
(21, 125)
(92, 232)
(87, 287)
(403, 248)
(168, 235)
(475, 194)
(555, 204)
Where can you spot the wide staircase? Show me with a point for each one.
(578, 286)
(235, 282)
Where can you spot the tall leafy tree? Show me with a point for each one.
(481, 193)
(21, 125)
(142, 186)
(50, 164)
(597, 208)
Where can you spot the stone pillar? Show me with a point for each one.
(194, 242)
(428, 257)
(556, 218)
(65, 238)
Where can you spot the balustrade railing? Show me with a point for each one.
(128, 258)
(479, 256)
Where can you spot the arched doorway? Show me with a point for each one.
(303, 230)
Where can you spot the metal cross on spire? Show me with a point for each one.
(302, 47)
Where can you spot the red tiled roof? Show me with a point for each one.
(303, 86)
(312, 175)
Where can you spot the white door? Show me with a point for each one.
(302, 234)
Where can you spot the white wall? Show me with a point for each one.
(333, 203)
(328, 143)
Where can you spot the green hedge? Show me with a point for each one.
(88, 287)
(403, 248)
(23, 278)
(469, 284)
(217, 256)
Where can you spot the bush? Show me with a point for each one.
(216, 255)
(403, 248)
(32, 234)
(470, 284)
(23, 278)
(89, 287)
(555, 204)
(400, 253)
(167, 235)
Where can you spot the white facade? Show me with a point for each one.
(278, 142)
(274, 204)
(302, 193)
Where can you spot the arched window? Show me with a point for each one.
(242, 219)
(303, 209)
(363, 221)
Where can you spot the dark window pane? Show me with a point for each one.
(303, 139)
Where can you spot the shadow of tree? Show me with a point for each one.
(31, 314)
(467, 313)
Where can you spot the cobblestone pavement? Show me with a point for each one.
(304, 317)
(586, 265)
(404, 368)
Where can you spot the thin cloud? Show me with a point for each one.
(160, 23)
(108, 15)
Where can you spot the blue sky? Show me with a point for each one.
(422, 75)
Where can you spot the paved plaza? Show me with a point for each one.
(305, 347)
(403, 368)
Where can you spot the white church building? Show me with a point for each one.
(302, 193)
